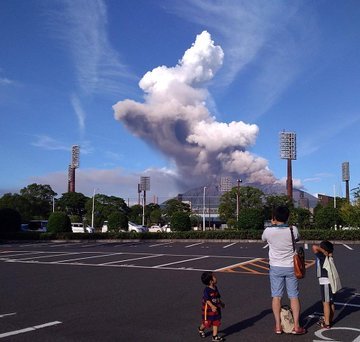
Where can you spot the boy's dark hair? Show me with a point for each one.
(206, 277)
(327, 246)
(281, 213)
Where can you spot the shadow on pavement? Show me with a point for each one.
(345, 295)
(242, 325)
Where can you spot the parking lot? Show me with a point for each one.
(151, 290)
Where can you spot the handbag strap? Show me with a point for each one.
(292, 237)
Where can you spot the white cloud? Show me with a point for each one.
(82, 25)
(48, 143)
(80, 113)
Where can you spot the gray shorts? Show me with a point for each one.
(326, 293)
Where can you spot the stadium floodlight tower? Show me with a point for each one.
(346, 178)
(288, 152)
(75, 157)
(144, 186)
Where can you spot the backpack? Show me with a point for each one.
(287, 319)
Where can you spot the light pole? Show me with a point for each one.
(288, 152)
(93, 209)
(238, 199)
(204, 207)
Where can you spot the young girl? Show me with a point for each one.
(211, 306)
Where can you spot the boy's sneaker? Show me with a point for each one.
(201, 333)
(217, 338)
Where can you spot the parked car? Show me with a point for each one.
(78, 227)
(167, 228)
(136, 228)
(37, 225)
(156, 229)
(105, 228)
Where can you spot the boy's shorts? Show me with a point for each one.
(281, 278)
(209, 324)
(326, 293)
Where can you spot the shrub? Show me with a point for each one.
(117, 220)
(59, 223)
(10, 220)
(180, 221)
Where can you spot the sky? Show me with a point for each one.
(181, 91)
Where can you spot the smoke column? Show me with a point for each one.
(175, 120)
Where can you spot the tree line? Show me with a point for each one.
(243, 208)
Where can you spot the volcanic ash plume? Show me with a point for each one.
(174, 119)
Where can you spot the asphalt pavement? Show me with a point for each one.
(151, 291)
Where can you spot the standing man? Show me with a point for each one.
(282, 275)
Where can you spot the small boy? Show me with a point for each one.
(325, 249)
(211, 306)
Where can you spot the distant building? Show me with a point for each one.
(303, 201)
(325, 200)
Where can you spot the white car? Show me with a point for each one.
(156, 229)
(77, 227)
(136, 228)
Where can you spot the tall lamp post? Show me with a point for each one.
(288, 152)
(204, 207)
(346, 178)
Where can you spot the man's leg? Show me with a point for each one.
(276, 307)
(295, 308)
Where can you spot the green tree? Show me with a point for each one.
(300, 217)
(249, 197)
(273, 201)
(350, 215)
(103, 206)
(117, 220)
(251, 218)
(174, 205)
(356, 193)
(10, 220)
(135, 214)
(326, 217)
(18, 203)
(40, 198)
(180, 221)
(59, 222)
(72, 203)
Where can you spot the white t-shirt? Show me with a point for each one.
(280, 245)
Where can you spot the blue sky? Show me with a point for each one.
(181, 91)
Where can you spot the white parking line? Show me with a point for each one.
(89, 257)
(132, 259)
(306, 246)
(179, 262)
(266, 245)
(161, 244)
(348, 247)
(194, 244)
(232, 244)
(25, 330)
(44, 256)
(8, 314)
(346, 304)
